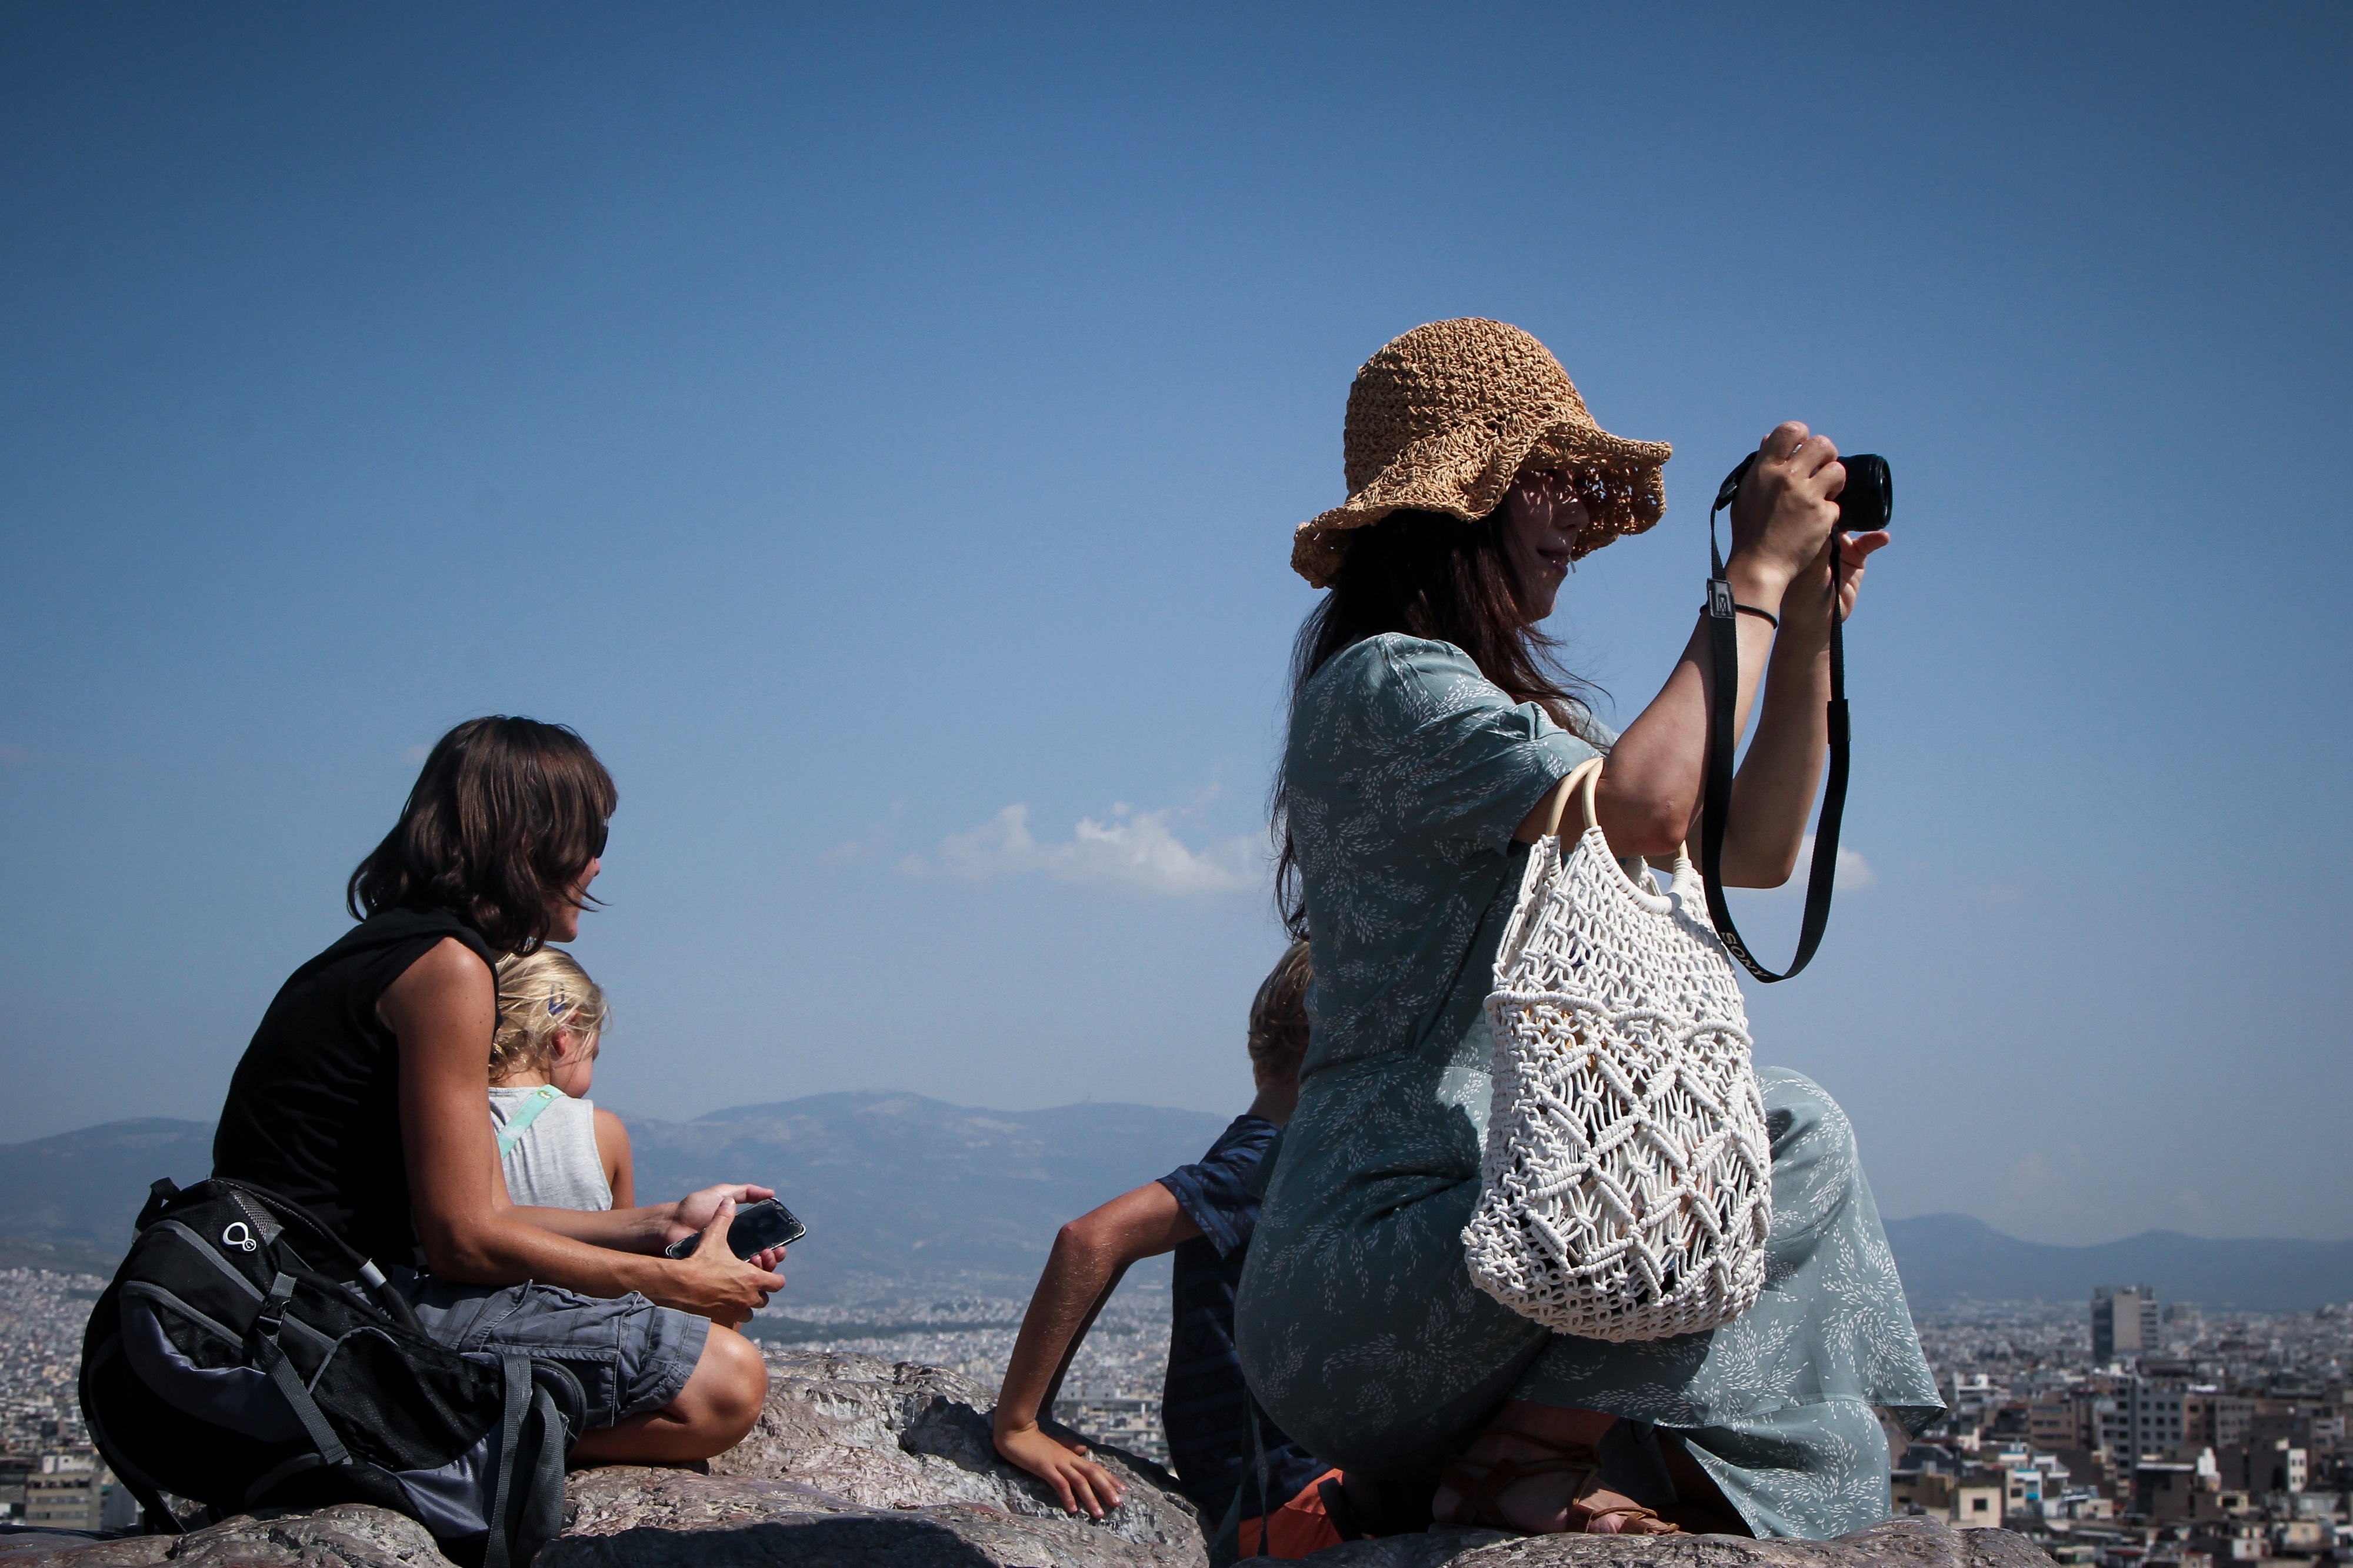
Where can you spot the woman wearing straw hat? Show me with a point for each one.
(1427, 729)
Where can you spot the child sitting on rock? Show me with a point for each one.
(1204, 1213)
(556, 1149)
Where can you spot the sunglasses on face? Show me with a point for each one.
(596, 840)
(1562, 486)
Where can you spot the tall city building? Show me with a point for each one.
(2123, 1322)
(2148, 1419)
(67, 1492)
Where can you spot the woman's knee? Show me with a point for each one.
(1814, 1159)
(1801, 1118)
(723, 1400)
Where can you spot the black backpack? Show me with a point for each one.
(246, 1357)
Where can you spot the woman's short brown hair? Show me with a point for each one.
(1278, 1017)
(504, 818)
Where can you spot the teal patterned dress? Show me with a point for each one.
(1358, 1326)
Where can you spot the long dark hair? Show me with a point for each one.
(501, 823)
(1427, 574)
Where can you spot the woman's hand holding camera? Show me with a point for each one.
(1806, 602)
(1784, 527)
(1787, 507)
(711, 1281)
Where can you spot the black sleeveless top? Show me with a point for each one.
(313, 1112)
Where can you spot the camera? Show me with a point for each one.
(1868, 501)
(1866, 505)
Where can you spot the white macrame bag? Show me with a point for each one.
(1627, 1187)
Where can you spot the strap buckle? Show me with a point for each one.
(271, 1314)
(1719, 598)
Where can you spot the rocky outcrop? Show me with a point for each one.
(637, 1518)
(858, 1460)
(1896, 1543)
(863, 1462)
(901, 1436)
(348, 1535)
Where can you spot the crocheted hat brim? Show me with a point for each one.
(1465, 472)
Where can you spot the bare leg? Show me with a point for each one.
(1538, 1505)
(710, 1415)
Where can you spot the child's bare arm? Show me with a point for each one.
(1090, 1254)
(613, 1151)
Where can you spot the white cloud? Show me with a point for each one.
(1854, 872)
(1134, 851)
(870, 844)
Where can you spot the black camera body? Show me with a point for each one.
(1868, 501)
(1865, 505)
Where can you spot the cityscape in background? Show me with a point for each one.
(2124, 1432)
(2141, 1433)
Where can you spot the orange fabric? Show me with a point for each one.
(1300, 1526)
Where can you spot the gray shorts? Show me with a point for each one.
(629, 1355)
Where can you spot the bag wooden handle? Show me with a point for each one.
(1581, 781)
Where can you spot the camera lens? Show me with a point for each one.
(1868, 501)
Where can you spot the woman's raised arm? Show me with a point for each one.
(1649, 798)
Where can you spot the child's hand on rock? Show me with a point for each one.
(1077, 1480)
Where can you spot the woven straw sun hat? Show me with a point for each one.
(1443, 418)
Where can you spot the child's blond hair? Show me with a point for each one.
(1278, 1017)
(538, 993)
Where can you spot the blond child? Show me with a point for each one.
(556, 1150)
(1204, 1213)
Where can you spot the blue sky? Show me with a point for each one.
(864, 426)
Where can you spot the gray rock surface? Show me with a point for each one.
(859, 1462)
(348, 1535)
(1896, 1543)
(898, 1435)
(674, 1519)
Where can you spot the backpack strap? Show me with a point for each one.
(519, 1391)
(272, 1359)
(525, 1114)
(161, 1195)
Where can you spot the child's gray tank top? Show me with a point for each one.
(547, 1146)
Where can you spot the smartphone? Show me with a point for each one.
(756, 1228)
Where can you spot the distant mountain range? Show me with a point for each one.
(902, 1192)
(1950, 1258)
(898, 1190)
(71, 1199)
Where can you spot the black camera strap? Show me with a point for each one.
(1723, 713)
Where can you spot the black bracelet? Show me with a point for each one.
(1768, 617)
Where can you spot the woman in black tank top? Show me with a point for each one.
(362, 1095)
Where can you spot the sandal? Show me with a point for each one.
(1480, 1494)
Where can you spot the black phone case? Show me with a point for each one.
(793, 1230)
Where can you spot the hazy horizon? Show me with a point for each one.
(1211, 1119)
